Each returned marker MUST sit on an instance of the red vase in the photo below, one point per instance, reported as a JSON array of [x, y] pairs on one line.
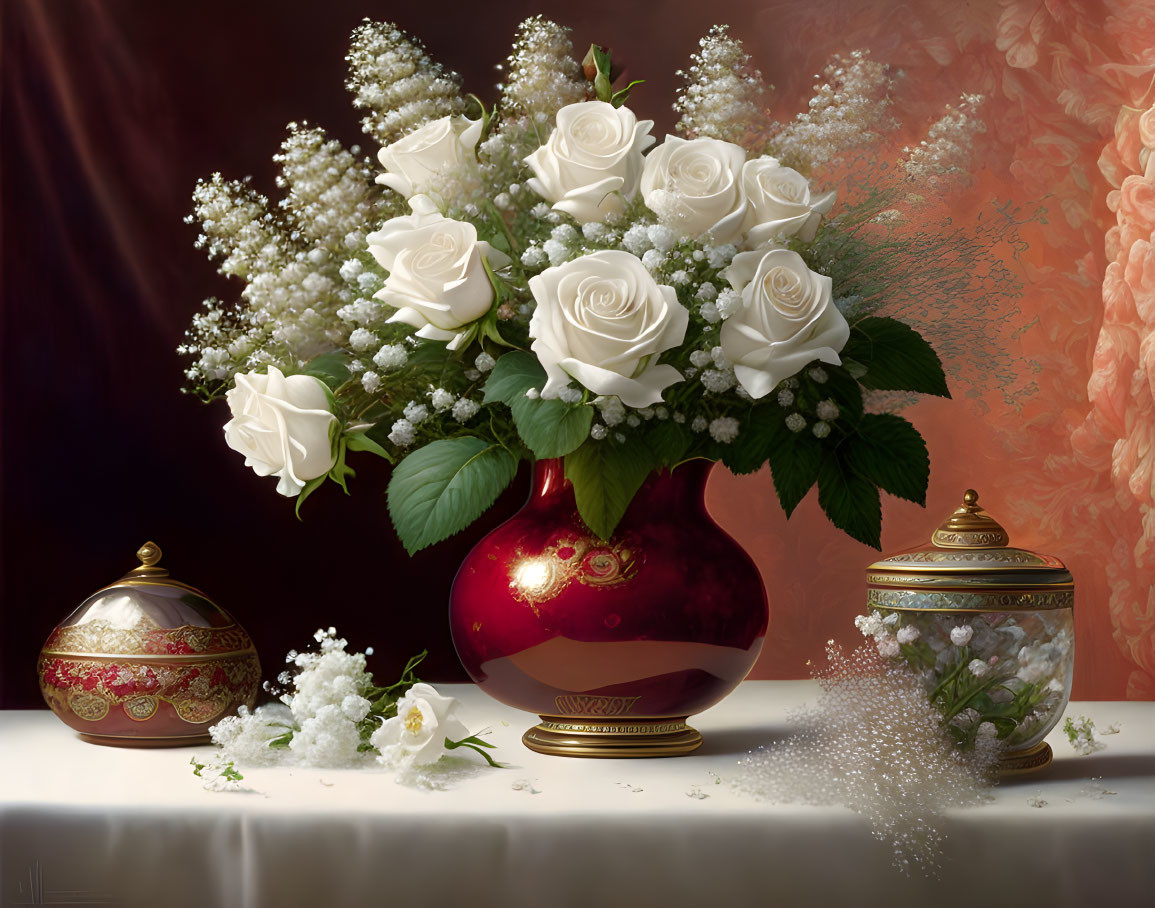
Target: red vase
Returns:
[[614, 644]]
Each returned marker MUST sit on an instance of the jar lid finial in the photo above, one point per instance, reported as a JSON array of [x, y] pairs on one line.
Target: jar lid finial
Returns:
[[970, 527]]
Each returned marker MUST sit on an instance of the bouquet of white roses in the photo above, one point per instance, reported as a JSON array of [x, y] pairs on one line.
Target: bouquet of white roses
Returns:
[[544, 279]]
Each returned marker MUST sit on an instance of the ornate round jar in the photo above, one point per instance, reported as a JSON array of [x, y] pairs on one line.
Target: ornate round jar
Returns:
[[147, 661], [990, 627], [614, 643]]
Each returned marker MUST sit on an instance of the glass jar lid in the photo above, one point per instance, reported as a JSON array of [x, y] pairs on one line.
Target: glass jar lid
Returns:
[[970, 549]]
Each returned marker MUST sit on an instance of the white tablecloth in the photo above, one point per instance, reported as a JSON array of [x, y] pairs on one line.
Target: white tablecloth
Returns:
[[86, 824]]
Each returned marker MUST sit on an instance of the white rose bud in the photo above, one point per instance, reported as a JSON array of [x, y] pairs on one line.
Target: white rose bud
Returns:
[[414, 162], [695, 186], [591, 165], [283, 426], [780, 203], [437, 282], [602, 319], [787, 319]]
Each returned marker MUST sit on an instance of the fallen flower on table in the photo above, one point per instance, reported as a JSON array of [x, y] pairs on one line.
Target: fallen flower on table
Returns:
[[1083, 737], [332, 714], [218, 774]]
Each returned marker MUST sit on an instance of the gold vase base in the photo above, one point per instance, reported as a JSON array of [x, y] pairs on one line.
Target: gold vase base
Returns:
[[576, 737], [1017, 763], [133, 741]]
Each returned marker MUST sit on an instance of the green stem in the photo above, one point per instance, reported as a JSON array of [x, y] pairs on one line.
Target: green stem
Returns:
[[963, 653]]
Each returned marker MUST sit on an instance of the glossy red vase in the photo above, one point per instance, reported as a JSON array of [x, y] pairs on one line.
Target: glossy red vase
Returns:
[[614, 644]]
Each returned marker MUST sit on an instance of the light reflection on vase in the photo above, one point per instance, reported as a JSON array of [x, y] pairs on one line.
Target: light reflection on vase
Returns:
[[662, 621]]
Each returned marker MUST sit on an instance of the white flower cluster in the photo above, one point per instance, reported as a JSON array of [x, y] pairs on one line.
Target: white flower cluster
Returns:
[[320, 722], [1023, 657], [542, 75], [947, 148], [299, 285], [396, 83], [723, 96], [849, 108]]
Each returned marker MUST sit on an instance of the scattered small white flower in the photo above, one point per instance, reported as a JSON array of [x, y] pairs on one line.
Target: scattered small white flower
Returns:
[[978, 668], [362, 339], [598, 432], [218, 774], [402, 433], [795, 422], [653, 260], [724, 429], [350, 269], [888, 647], [785, 397], [484, 363], [821, 429], [441, 399], [870, 625], [391, 356], [416, 413], [908, 633], [827, 410], [699, 424], [961, 635], [465, 409]]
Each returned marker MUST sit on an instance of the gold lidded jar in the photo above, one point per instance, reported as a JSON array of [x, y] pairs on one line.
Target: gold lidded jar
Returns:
[[148, 661], [989, 627]]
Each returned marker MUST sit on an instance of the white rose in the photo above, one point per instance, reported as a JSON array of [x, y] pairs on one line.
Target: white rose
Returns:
[[603, 320], [283, 426], [416, 735], [437, 282], [413, 163], [696, 186], [786, 320], [592, 162], [780, 203]]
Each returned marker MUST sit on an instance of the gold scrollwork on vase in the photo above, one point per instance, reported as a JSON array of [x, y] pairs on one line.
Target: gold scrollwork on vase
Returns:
[[199, 692], [660, 727], [145, 638], [975, 601], [583, 705], [539, 578]]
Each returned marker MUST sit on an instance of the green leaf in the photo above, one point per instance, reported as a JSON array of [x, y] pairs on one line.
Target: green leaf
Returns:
[[895, 357], [668, 442], [794, 461], [475, 744], [889, 452], [749, 450], [441, 488], [514, 374], [844, 390], [622, 95], [331, 368], [551, 428], [309, 488], [605, 477], [281, 742], [359, 441], [849, 500], [340, 471]]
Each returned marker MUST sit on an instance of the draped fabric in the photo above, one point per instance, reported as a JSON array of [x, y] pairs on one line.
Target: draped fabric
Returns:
[[110, 111]]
